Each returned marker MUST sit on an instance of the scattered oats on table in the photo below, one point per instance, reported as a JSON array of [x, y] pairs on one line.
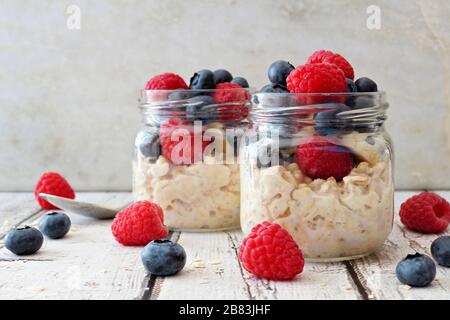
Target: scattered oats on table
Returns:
[[214, 261]]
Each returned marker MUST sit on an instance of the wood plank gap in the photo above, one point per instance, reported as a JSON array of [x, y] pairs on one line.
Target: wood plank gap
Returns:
[[362, 289], [235, 247], [154, 283], [25, 219]]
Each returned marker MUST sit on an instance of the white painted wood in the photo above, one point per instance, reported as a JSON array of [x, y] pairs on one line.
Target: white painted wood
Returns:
[[14, 208], [377, 272], [201, 280], [86, 264]]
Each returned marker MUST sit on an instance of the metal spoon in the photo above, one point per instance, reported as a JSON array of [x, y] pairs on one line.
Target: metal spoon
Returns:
[[82, 208]]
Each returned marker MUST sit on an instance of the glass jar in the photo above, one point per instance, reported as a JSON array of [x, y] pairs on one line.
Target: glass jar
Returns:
[[186, 156], [320, 165]]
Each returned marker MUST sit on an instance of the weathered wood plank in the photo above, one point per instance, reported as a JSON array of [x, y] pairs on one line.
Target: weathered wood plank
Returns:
[[86, 264], [203, 279], [14, 208], [377, 272]]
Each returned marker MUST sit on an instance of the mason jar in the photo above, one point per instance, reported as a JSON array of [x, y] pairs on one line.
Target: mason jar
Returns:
[[320, 165], [186, 156]]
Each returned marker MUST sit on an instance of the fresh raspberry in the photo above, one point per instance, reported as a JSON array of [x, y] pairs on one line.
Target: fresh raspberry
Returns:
[[139, 223], [53, 183], [270, 252], [317, 78], [181, 136], [166, 81], [323, 56], [426, 212], [319, 158], [234, 98]]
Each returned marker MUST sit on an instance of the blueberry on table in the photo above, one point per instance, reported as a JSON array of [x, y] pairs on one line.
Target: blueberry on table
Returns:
[[24, 241], [149, 144], [365, 84], [416, 270], [55, 225], [163, 257], [440, 250], [222, 75], [278, 72], [200, 108], [351, 86], [203, 79], [240, 81]]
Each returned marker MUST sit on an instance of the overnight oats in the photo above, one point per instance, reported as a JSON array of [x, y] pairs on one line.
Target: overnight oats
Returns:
[[319, 165], [186, 155]]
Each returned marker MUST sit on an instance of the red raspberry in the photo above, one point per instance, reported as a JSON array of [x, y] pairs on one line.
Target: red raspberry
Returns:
[[166, 81], [182, 142], [138, 224], [317, 78], [322, 159], [270, 252], [53, 183], [234, 98], [426, 212], [323, 56]]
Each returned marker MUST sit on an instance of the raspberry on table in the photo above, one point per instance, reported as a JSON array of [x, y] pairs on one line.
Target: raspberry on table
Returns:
[[166, 81], [52, 183], [234, 100], [317, 78], [324, 56], [426, 212], [139, 223], [185, 133], [270, 252], [321, 159]]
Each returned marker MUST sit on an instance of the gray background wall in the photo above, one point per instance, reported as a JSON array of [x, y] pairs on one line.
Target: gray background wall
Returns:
[[68, 97]]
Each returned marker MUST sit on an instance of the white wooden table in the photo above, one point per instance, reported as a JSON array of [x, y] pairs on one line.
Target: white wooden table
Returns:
[[89, 264]]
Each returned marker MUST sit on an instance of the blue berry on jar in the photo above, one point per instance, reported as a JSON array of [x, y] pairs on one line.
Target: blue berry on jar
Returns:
[[222, 75], [274, 88], [200, 108], [331, 122], [440, 250], [365, 84], [240, 81], [416, 270], [278, 72], [55, 225], [180, 95], [361, 102], [163, 257], [24, 241], [149, 144], [351, 86], [202, 80]]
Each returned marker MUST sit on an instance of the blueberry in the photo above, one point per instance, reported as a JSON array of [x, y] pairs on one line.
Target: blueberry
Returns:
[[149, 144], [200, 108], [440, 250], [366, 85], [203, 79], [351, 86], [23, 241], [278, 72], [416, 270], [361, 102], [163, 257], [55, 225], [274, 88], [180, 95], [222, 75], [240, 81], [331, 122]]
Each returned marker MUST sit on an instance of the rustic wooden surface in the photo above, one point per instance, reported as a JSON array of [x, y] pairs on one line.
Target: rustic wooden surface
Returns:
[[89, 264]]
